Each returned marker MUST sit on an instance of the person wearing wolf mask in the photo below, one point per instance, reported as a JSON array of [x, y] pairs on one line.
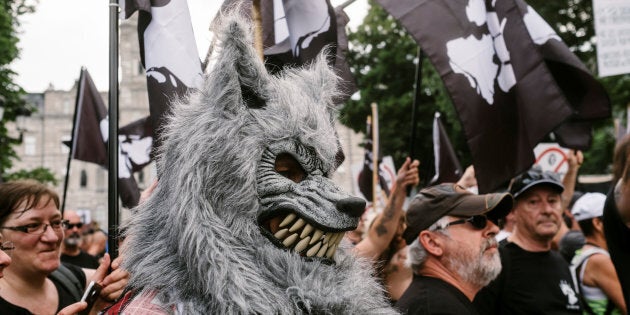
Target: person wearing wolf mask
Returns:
[[245, 218]]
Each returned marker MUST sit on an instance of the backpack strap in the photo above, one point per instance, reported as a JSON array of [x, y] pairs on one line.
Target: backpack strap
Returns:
[[69, 281]]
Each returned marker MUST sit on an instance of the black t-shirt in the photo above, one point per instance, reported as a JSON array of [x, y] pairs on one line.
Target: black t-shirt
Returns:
[[427, 295], [529, 283], [65, 297], [83, 260], [618, 241]]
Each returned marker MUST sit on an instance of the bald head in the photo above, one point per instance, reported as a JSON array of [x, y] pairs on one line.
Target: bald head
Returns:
[[71, 216]]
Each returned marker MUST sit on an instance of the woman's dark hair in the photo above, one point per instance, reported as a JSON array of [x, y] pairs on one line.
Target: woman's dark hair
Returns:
[[13, 193], [587, 226]]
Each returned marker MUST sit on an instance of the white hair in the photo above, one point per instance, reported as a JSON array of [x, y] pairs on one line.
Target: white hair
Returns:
[[417, 254]]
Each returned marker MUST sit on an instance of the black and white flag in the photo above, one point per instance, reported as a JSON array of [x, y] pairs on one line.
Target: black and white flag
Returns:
[[90, 138], [168, 51], [295, 32], [510, 77]]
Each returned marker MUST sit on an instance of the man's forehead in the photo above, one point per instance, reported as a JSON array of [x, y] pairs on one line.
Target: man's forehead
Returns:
[[71, 215]]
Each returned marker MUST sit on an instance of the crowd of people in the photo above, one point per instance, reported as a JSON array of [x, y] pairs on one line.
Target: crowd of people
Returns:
[[452, 261]]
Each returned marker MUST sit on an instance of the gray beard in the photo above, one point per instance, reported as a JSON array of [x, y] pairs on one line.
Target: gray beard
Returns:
[[72, 241], [475, 268]]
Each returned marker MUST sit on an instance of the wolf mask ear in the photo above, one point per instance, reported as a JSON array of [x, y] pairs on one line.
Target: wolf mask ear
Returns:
[[239, 68]]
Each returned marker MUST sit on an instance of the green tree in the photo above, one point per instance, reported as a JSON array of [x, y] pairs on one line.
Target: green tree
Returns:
[[11, 93], [40, 174]]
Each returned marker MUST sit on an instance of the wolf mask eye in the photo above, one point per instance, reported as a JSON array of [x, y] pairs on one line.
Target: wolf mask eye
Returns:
[[290, 168]]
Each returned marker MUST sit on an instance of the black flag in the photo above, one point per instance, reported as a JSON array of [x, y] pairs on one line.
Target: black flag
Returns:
[[447, 166], [168, 52], [90, 123], [511, 79]]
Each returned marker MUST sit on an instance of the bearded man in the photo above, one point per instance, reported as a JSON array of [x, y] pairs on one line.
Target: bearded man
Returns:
[[452, 248], [71, 249]]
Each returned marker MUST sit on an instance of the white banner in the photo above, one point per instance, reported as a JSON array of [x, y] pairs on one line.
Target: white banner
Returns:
[[612, 28]]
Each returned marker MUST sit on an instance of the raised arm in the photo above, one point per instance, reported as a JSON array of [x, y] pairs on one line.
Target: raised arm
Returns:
[[383, 230], [575, 160]]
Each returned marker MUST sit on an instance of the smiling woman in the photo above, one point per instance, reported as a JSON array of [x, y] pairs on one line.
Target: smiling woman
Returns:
[[32, 231]]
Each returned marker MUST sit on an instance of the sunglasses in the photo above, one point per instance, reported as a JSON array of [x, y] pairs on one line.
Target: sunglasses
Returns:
[[70, 226], [478, 222]]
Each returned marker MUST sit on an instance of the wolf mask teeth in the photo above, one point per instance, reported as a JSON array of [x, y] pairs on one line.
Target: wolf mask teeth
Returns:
[[303, 238], [301, 209]]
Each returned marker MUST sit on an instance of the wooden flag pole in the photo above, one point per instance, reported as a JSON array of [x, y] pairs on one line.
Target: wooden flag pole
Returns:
[[375, 155], [257, 20], [112, 200], [414, 111]]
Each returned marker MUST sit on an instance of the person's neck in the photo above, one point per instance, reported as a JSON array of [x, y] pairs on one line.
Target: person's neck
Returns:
[[70, 250], [23, 284], [529, 244], [596, 240], [433, 268]]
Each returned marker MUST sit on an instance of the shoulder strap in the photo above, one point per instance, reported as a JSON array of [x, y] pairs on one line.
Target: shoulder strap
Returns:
[[576, 266], [69, 281]]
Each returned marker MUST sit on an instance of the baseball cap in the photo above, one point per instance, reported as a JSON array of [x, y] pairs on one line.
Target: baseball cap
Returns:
[[590, 205], [535, 176], [435, 202]]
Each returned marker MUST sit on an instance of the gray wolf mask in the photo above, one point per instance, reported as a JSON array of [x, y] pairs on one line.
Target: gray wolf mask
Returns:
[[245, 218]]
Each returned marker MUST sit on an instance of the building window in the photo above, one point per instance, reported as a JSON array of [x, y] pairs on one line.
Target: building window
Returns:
[[29, 145], [83, 182]]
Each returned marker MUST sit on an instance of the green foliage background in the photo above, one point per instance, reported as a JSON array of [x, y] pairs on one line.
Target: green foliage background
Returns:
[[13, 94], [383, 58]]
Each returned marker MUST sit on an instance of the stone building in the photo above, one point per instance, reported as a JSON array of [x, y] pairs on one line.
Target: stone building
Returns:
[[87, 186]]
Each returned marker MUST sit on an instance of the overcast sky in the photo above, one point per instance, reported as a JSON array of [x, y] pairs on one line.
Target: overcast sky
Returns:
[[63, 35]]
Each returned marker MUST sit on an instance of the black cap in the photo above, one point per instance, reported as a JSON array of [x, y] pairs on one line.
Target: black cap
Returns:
[[435, 202], [535, 177]]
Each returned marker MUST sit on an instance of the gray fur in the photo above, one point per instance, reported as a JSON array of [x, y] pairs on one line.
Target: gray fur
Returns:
[[196, 240]]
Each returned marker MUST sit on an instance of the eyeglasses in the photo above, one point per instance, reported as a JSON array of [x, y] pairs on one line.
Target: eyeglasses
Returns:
[[7, 247], [71, 226], [478, 222], [38, 228]]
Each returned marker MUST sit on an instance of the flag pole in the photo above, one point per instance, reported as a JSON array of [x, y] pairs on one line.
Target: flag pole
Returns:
[[72, 139], [414, 111], [416, 103], [345, 4], [112, 200], [257, 21], [375, 155]]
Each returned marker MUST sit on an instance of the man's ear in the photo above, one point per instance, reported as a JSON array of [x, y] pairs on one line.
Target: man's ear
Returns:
[[431, 243]]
